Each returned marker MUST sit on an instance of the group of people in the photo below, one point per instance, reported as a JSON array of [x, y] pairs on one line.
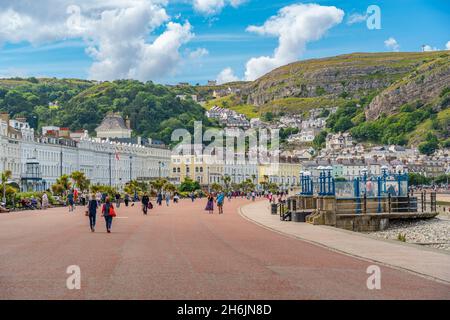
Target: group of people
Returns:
[[217, 198], [167, 196], [108, 212], [108, 208]]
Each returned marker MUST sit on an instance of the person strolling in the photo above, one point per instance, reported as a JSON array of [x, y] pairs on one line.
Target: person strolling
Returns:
[[167, 198], [220, 201], [159, 199], [210, 204], [117, 196], [145, 201], [92, 212], [44, 201], [108, 213], [71, 201]]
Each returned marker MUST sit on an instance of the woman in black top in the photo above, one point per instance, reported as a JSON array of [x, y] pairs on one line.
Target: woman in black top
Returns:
[[92, 211], [145, 202]]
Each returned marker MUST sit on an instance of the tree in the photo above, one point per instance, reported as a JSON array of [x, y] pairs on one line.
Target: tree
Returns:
[[430, 145], [442, 179], [6, 175], [80, 180], [57, 189], [416, 179], [62, 185], [247, 186], [227, 181], [189, 185], [170, 187], [320, 140], [215, 187], [158, 184]]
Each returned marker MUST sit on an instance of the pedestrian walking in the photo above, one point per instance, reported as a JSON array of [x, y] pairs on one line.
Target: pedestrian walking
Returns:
[[167, 198], [117, 200], [159, 199], [108, 213], [126, 200], [145, 203], [192, 196], [70, 200], [210, 204], [92, 211], [220, 201], [44, 201], [98, 197]]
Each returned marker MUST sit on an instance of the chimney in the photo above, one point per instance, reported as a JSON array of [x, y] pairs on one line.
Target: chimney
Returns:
[[4, 116]]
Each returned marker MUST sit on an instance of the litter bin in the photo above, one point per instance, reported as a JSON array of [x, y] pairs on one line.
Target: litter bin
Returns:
[[274, 208]]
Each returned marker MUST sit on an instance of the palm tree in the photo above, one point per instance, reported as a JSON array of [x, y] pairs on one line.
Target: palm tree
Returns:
[[6, 175], [158, 184], [226, 180], [80, 180]]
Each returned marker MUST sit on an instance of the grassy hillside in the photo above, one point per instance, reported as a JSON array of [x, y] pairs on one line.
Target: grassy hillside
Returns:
[[154, 110], [233, 103]]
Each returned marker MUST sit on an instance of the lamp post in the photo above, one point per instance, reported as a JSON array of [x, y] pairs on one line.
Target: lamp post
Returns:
[[131, 168], [4, 186], [159, 169], [364, 176], [110, 169]]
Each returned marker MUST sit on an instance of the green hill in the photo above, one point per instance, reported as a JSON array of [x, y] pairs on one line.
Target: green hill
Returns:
[[154, 110]]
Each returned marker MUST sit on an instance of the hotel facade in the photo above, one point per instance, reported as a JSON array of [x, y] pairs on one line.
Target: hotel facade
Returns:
[[36, 162]]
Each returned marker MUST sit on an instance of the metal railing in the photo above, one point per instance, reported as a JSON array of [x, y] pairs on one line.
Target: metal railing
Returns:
[[419, 203]]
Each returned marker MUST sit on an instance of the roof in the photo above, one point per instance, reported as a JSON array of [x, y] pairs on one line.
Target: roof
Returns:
[[112, 121]]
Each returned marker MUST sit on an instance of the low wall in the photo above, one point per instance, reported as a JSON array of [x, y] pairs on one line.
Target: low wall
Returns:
[[361, 215]]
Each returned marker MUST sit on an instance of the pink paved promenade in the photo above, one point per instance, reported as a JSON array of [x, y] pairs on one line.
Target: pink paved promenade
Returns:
[[180, 252]]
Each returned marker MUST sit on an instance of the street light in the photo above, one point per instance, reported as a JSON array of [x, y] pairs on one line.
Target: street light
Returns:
[[131, 168]]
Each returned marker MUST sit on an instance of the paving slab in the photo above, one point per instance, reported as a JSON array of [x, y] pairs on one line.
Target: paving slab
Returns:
[[427, 262]]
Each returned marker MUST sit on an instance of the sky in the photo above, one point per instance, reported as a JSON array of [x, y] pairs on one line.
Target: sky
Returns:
[[195, 41]]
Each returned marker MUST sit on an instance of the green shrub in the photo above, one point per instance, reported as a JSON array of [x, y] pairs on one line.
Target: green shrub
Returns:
[[401, 237]]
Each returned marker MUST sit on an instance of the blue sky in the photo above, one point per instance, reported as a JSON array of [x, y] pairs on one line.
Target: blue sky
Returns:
[[412, 23]]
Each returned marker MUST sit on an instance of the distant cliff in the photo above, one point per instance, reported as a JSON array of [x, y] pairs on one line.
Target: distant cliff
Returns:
[[397, 78]]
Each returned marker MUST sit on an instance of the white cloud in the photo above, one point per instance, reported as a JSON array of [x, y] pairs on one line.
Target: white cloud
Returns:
[[295, 26], [428, 48], [356, 18], [198, 53], [115, 33], [392, 44], [227, 75], [447, 46], [212, 7]]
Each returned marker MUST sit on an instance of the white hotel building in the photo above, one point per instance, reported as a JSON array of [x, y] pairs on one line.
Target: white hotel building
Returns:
[[36, 163]]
